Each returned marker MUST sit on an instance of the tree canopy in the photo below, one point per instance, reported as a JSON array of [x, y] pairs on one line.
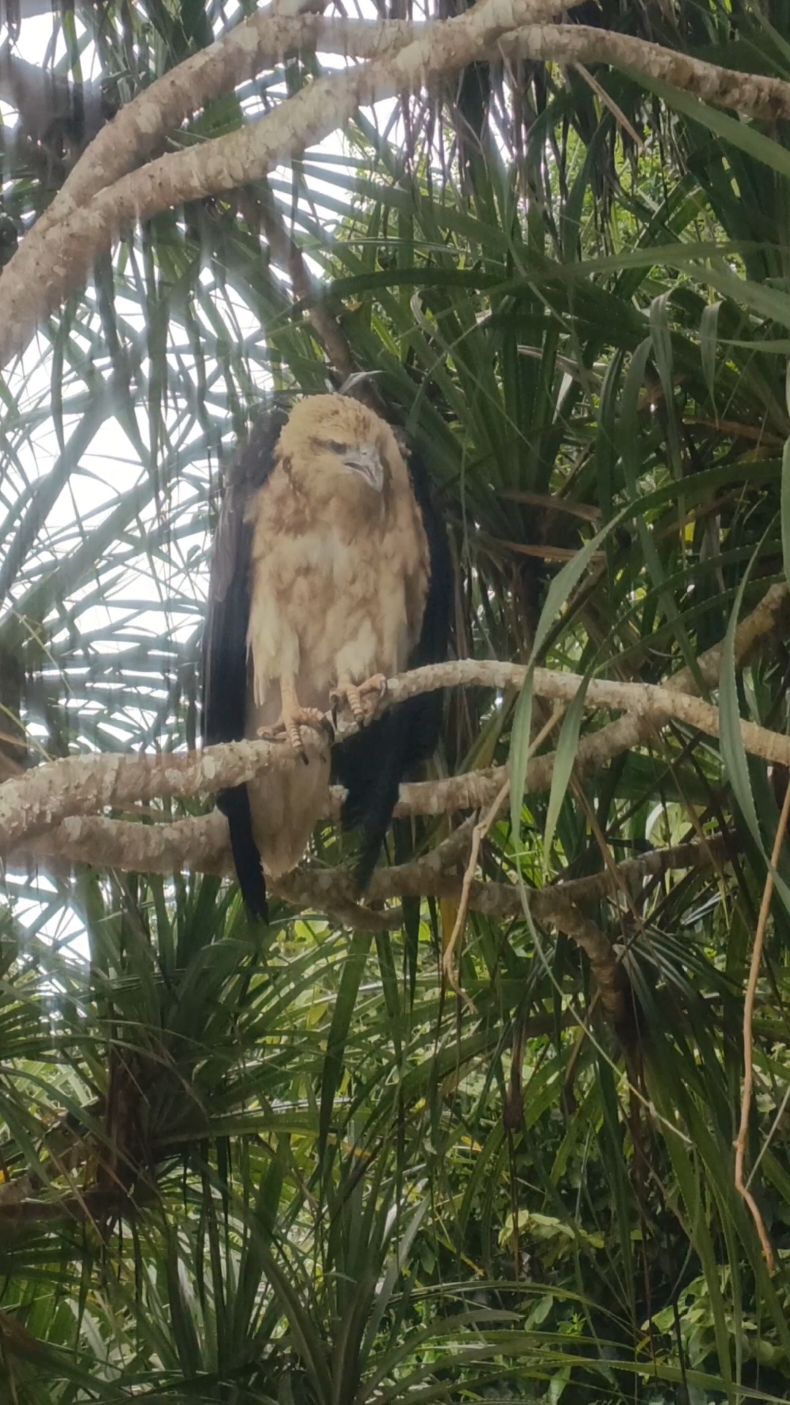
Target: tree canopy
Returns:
[[514, 1125]]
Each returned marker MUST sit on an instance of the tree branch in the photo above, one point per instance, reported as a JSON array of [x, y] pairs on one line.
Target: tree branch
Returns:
[[610, 977], [286, 252], [257, 43], [647, 700], [202, 845], [58, 254], [479, 788], [104, 192], [82, 785], [751, 94]]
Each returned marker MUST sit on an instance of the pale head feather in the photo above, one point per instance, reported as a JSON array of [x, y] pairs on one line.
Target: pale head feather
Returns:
[[318, 423]]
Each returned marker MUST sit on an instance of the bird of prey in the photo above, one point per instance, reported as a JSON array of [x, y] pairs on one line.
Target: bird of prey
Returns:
[[330, 571]]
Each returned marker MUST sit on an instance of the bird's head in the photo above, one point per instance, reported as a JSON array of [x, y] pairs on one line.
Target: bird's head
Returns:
[[335, 445]]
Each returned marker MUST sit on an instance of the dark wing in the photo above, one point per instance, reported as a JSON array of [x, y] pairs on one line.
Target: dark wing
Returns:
[[372, 763], [225, 642]]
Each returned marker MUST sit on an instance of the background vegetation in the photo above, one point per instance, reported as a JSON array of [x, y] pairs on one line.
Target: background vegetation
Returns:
[[255, 1165]]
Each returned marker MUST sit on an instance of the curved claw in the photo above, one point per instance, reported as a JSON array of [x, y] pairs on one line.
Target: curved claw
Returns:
[[289, 723], [351, 694]]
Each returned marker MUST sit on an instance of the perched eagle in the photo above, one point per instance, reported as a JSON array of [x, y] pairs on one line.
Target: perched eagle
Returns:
[[330, 570]]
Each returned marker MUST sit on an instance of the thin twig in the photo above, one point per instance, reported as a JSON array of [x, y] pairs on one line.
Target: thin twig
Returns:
[[478, 835], [608, 101], [748, 1036], [286, 252]]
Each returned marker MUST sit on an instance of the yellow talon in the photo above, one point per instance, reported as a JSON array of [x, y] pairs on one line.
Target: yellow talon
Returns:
[[352, 694], [292, 718]]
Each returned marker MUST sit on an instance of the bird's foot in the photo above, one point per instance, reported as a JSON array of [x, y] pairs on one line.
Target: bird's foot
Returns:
[[351, 694], [290, 722]]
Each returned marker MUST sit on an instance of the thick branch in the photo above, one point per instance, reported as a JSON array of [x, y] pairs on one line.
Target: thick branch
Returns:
[[100, 199], [503, 900], [202, 845], [751, 94], [478, 789], [265, 39], [258, 42], [634, 729], [82, 785], [60, 253], [646, 700]]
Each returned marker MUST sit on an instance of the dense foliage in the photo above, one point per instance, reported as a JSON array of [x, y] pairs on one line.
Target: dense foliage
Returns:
[[243, 1164]]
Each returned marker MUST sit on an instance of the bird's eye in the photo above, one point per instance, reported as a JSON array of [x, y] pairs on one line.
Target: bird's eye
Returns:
[[336, 447]]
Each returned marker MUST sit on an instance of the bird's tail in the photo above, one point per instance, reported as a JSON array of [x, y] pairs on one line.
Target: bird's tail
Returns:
[[371, 765], [235, 805]]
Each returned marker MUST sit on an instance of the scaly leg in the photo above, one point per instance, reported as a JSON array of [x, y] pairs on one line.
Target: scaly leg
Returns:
[[352, 694], [293, 716]]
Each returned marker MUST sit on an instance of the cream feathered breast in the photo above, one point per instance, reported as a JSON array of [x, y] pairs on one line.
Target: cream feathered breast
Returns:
[[339, 574]]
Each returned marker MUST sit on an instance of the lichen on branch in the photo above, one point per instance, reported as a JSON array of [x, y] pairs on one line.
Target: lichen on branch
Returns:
[[115, 184], [58, 809]]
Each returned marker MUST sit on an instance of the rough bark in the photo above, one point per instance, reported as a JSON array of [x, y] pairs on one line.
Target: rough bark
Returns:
[[105, 193], [41, 799]]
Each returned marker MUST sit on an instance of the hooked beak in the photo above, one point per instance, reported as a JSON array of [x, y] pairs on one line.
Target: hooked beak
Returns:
[[367, 463]]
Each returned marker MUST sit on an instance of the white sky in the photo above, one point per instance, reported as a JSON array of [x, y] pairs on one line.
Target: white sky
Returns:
[[110, 459]]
